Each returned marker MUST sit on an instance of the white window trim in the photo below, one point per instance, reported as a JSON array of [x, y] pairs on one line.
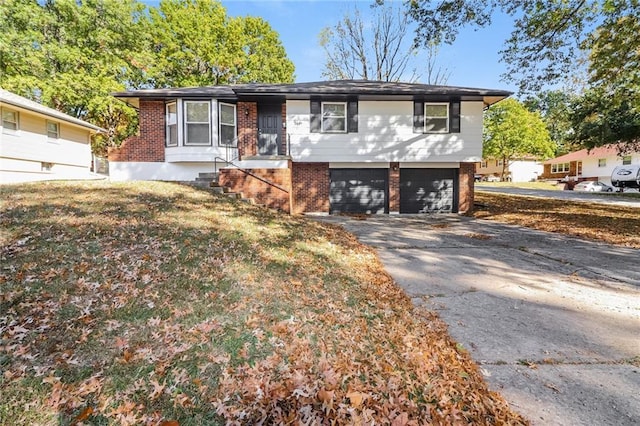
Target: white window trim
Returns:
[[627, 157], [167, 124], [186, 123], [566, 167], [427, 117], [17, 122], [345, 117], [235, 124], [57, 136]]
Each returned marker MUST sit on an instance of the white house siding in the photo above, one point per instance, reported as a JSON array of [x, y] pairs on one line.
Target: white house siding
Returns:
[[22, 152], [590, 167], [385, 133], [130, 170], [195, 154], [525, 171]]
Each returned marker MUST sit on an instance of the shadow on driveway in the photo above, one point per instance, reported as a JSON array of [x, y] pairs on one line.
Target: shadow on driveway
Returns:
[[553, 321]]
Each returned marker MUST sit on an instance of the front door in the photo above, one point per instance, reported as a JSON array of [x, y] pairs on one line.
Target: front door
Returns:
[[269, 127]]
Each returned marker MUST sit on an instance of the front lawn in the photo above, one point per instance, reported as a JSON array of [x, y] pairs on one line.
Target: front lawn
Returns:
[[156, 303], [600, 222]]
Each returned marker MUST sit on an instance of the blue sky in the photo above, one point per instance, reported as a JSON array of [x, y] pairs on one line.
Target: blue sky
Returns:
[[473, 60]]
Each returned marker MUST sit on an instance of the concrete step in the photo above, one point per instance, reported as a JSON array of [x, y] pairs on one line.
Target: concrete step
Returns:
[[208, 175]]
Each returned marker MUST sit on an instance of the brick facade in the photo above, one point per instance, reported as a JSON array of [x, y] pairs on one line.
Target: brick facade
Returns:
[[394, 187], [310, 187], [148, 144], [247, 128], [466, 191], [260, 191]]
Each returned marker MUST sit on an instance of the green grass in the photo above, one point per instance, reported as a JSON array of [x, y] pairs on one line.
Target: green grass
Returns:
[[147, 302]]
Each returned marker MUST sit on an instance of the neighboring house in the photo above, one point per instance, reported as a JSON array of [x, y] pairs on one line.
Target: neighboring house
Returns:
[[519, 170], [40, 143], [596, 164], [337, 146]]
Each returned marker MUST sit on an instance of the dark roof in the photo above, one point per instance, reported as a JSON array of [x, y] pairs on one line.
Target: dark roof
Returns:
[[362, 88]]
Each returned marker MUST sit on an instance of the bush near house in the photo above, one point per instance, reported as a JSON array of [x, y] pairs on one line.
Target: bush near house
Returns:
[[155, 303]]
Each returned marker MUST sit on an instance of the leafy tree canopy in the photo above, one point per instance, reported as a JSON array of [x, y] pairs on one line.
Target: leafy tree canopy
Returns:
[[71, 55], [511, 131], [547, 44]]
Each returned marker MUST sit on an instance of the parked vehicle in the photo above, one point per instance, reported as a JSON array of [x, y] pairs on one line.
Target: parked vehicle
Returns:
[[626, 176], [492, 178], [592, 186]]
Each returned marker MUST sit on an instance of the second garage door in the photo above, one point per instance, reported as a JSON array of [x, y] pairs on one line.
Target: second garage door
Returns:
[[359, 191], [428, 190]]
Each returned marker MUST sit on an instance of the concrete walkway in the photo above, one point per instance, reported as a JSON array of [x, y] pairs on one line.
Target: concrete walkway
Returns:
[[552, 321]]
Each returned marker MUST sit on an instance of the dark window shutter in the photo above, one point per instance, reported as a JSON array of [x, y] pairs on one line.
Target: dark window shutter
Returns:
[[454, 117], [418, 117], [352, 117], [316, 116]]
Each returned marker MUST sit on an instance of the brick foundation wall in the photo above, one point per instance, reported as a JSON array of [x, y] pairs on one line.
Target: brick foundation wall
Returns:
[[394, 187], [465, 182], [260, 191], [247, 128], [148, 144], [310, 188]]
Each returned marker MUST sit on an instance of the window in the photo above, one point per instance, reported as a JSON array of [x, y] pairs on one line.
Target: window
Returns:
[[227, 114], [436, 118], [602, 162], [499, 163], [560, 168], [172, 124], [197, 123], [483, 164], [53, 131], [10, 119], [334, 117], [626, 160], [46, 167]]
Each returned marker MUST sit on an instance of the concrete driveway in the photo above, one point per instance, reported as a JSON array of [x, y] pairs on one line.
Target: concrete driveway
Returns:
[[553, 321], [590, 197]]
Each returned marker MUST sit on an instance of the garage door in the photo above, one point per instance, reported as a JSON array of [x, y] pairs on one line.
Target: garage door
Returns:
[[359, 191], [428, 190]]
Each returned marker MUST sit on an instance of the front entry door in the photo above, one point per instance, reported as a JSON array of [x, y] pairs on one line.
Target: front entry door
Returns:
[[269, 127]]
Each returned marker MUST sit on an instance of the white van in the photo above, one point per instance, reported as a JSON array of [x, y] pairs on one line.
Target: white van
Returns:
[[626, 176]]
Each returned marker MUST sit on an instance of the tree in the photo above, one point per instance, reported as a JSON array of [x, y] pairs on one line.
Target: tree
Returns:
[[554, 107], [72, 55], [195, 43], [379, 48], [511, 131], [548, 40]]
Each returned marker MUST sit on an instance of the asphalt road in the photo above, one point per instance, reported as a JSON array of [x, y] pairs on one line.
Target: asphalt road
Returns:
[[592, 197], [552, 321]]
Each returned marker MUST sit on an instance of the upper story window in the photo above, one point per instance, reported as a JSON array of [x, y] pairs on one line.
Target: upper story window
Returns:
[[172, 124], [602, 162], [499, 163], [197, 123], [436, 117], [228, 126], [10, 119], [334, 117], [626, 160], [53, 130], [483, 164]]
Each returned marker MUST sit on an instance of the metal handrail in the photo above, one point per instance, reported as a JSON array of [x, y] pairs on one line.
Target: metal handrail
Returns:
[[215, 165]]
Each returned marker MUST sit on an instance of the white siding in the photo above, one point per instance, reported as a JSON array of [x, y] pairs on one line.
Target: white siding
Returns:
[[525, 171], [198, 153], [385, 133], [590, 167], [124, 171], [22, 152]]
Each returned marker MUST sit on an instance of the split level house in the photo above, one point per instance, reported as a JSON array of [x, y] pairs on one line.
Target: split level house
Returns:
[[595, 164], [40, 143], [340, 146]]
